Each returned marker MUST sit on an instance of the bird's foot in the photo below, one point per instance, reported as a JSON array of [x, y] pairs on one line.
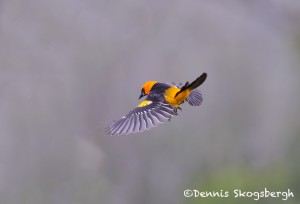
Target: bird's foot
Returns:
[[175, 110]]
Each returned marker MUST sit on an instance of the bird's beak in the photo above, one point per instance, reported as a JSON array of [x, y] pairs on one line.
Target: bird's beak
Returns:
[[142, 95]]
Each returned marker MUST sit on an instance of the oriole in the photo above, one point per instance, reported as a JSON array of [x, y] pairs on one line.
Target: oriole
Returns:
[[160, 105]]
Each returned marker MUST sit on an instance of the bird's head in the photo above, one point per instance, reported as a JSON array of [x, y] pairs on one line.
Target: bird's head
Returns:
[[146, 88]]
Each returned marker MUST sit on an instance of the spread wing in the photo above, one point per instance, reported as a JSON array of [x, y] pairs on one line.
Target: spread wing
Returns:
[[195, 98], [146, 115]]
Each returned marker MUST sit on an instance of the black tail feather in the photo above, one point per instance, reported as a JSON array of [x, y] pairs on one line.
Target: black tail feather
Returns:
[[194, 84]]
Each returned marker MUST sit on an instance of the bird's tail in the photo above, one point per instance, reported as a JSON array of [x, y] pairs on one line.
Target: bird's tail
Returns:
[[193, 85]]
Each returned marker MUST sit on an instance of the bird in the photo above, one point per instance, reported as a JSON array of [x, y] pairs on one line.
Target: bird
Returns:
[[160, 105]]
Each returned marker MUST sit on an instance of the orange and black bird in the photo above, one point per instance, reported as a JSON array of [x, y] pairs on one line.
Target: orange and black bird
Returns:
[[160, 105]]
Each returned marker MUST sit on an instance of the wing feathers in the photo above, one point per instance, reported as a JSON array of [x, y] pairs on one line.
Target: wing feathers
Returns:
[[146, 120], [130, 127], [142, 118], [159, 118], [195, 98], [125, 126]]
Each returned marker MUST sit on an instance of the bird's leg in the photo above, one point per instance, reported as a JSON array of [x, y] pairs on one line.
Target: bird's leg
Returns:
[[175, 110]]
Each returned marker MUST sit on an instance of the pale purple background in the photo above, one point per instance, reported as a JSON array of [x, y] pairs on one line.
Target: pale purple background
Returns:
[[68, 68]]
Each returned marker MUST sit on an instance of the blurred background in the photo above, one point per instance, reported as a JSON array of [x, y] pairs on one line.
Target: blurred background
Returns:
[[68, 68]]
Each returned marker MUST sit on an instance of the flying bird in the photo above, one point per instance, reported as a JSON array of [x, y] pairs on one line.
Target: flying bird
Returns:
[[160, 105]]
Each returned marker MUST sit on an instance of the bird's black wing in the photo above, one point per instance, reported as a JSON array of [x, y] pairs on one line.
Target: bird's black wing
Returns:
[[146, 115]]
